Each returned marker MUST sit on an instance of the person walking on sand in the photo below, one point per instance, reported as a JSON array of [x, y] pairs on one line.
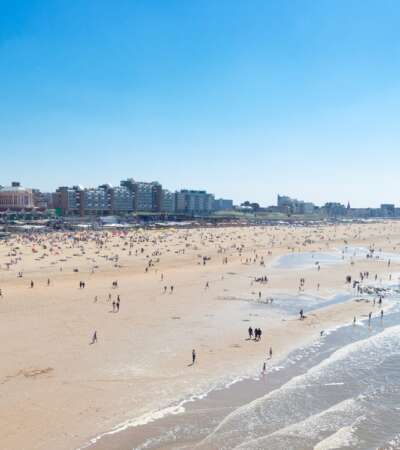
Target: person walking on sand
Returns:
[[193, 356], [250, 330], [270, 352], [94, 338]]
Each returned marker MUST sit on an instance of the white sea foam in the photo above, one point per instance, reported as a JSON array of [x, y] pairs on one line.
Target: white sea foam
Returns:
[[344, 437], [393, 444], [158, 414], [310, 427], [141, 420], [254, 415]]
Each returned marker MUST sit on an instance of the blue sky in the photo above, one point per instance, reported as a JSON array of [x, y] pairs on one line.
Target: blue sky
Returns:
[[245, 98]]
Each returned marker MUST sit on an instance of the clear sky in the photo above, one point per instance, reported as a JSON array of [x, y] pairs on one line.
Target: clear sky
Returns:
[[245, 98]]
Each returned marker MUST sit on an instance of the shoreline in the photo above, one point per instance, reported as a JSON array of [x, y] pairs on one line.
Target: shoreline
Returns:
[[112, 439], [137, 431]]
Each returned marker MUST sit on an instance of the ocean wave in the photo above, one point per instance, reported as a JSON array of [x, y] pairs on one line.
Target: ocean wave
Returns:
[[157, 414], [290, 403], [344, 437], [301, 434]]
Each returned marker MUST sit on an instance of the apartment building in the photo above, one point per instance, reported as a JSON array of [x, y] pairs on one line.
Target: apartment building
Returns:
[[194, 202], [147, 196]]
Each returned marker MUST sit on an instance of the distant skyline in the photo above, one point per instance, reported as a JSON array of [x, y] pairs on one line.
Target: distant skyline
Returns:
[[245, 99]]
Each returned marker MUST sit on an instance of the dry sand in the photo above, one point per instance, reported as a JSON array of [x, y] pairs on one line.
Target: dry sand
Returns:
[[57, 391]]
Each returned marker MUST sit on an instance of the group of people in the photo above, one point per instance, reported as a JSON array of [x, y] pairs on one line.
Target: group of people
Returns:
[[263, 279], [256, 333]]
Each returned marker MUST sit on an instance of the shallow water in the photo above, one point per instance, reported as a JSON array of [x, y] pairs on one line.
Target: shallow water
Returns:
[[307, 260], [291, 304]]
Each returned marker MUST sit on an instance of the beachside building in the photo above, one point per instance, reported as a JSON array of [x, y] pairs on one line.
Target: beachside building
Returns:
[[16, 197], [222, 204], [307, 208], [68, 200], [194, 202], [168, 203], [180, 202], [283, 201], [42, 200], [288, 205], [121, 200], [387, 210], [102, 200], [334, 209], [96, 201], [147, 196]]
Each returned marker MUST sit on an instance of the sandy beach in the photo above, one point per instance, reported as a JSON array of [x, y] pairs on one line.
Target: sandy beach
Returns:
[[59, 391]]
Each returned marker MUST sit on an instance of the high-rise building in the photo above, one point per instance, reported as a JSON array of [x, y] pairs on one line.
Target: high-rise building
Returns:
[[194, 202], [147, 196], [121, 200], [102, 200], [68, 200], [96, 201], [168, 203], [180, 202]]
